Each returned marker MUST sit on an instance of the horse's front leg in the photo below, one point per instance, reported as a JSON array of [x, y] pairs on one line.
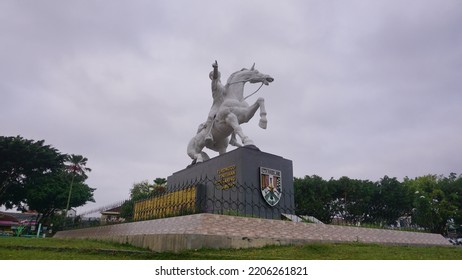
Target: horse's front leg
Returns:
[[263, 121], [232, 121], [251, 110]]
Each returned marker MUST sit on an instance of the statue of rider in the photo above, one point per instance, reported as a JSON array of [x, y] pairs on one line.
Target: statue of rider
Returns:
[[218, 91]]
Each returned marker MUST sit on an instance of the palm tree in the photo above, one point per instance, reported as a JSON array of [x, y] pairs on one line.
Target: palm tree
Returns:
[[160, 182], [77, 166]]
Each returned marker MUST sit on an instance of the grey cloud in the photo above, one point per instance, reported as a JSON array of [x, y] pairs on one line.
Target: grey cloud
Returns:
[[361, 89]]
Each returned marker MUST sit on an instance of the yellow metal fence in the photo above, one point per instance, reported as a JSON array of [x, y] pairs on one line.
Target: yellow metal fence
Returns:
[[181, 202]]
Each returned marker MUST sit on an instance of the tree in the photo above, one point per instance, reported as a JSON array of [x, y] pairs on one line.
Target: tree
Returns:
[[77, 167], [313, 197], [391, 200], [139, 191], [436, 201], [452, 188], [33, 176], [49, 193], [433, 202], [22, 161], [127, 209], [160, 182], [352, 198]]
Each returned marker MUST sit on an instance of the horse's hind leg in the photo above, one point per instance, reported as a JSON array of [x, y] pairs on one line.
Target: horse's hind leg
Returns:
[[233, 141], [191, 151], [232, 120], [195, 152], [221, 145]]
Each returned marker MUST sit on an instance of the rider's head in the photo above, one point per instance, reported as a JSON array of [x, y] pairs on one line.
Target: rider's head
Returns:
[[211, 75]]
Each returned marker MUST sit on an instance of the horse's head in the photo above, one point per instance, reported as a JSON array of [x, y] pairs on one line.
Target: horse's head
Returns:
[[251, 75]]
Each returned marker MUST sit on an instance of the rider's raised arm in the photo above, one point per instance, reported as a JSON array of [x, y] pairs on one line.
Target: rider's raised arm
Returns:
[[217, 86], [215, 76], [215, 70]]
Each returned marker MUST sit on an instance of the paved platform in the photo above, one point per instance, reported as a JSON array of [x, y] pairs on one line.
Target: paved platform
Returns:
[[221, 231]]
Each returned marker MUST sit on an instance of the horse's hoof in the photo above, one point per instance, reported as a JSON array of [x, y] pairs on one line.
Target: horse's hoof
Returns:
[[263, 123], [247, 142], [235, 144], [192, 163]]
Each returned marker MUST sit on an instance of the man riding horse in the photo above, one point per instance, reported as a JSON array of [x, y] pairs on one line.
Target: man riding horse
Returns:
[[228, 111]]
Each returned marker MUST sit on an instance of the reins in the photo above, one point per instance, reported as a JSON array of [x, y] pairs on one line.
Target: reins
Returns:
[[253, 92], [243, 81]]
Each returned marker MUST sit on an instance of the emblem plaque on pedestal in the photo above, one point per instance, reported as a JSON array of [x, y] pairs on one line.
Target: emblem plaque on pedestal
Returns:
[[271, 185]]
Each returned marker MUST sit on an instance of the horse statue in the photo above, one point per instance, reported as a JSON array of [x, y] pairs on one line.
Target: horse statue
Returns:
[[231, 112]]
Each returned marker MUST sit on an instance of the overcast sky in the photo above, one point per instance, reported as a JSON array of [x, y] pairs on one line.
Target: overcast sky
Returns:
[[362, 88]]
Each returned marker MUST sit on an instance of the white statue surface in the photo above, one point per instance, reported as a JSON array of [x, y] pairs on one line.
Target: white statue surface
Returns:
[[229, 110]]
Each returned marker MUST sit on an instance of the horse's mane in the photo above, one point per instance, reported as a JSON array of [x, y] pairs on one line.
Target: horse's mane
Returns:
[[233, 74]]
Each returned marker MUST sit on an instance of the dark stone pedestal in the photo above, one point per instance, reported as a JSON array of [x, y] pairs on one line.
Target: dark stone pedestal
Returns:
[[232, 184]]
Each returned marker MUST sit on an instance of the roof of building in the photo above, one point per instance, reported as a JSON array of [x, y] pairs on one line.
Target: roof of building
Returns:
[[18, 216], [112, 211]]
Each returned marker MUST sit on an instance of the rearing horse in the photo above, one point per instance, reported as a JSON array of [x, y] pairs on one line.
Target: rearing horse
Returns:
[[233, 111]]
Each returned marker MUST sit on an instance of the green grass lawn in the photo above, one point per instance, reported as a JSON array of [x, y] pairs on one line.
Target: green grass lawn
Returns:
[[14, 248]]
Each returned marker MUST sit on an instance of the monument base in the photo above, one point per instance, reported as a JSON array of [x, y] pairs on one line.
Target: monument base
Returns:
[[221, 231], [242, 182]]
